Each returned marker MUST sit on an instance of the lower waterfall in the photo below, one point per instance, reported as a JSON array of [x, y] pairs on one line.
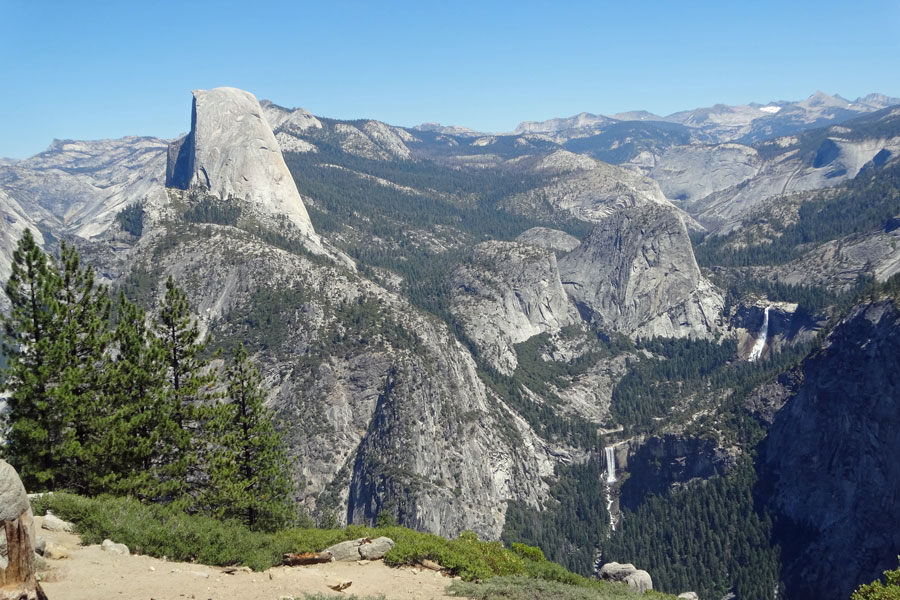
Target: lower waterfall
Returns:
[[760, 344], [610, 465]]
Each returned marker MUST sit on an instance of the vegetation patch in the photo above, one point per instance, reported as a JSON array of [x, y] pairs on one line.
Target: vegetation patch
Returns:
[[164, 530]]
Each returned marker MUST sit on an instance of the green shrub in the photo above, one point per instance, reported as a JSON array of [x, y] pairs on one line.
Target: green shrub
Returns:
[[528, 552], [525, 588], [879, 591]]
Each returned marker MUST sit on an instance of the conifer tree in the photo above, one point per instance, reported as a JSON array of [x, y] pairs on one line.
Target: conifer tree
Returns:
[[189, 383], [248, 468], [140, 423], [79, 356], [33, 424]]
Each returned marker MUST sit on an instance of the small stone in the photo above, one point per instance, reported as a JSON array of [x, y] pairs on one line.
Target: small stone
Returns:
[[111, 546], [55, 552], [40, 542], [53, 523], [430, 564]]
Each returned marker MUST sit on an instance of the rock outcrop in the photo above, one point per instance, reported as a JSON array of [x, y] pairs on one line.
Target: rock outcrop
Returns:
[[553, 239], [636, 274], [231, 153], [505, 294], [638, 580], [361, 549], [830, 470], [689, 173]]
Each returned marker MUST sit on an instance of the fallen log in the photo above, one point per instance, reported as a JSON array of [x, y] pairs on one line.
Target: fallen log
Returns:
[[306, 558]]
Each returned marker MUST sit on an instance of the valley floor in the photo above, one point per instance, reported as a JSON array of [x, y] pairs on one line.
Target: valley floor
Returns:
[[89, 573]]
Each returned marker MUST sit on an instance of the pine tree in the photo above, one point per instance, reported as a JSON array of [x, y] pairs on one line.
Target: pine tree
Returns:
[[140, 423], [248, 468], [189, 382], [79, 356], [33, 423]]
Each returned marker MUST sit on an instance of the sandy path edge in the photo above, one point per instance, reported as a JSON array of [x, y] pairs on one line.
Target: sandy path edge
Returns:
[[90, 573]]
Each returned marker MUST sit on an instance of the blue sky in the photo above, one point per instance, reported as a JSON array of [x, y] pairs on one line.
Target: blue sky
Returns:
[[87, 70]]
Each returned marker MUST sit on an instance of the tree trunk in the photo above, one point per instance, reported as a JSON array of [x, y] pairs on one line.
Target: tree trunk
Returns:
[[17, 581]]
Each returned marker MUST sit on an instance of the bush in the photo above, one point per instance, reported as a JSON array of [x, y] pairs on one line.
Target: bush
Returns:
[[878, 591], [525, 588]]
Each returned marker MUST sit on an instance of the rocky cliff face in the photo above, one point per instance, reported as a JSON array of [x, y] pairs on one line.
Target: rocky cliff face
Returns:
[[656, 464], [830, 472], [231, 153], [636, 274], [507, 293], [385, 409]]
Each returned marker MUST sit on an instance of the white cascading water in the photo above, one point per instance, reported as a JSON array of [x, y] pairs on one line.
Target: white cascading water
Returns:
[[610, 479], [757, 349], [610, 465]]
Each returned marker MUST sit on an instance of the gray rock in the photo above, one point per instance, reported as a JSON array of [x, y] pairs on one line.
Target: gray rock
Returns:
[[613, 571], [55, 551], [346, 551], [636, 274], [375, 549], [505, 294], [13, 499], [232, 153], [689, 596], [114, 548], [553, 239], [40, 543], [831, 458], [640, 581], [53, 523]]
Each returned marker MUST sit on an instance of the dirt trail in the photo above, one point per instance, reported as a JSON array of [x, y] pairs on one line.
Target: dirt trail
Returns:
[[90, 573]]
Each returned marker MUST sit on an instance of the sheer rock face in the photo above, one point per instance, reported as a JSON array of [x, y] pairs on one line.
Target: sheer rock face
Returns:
[[507, 293], [830, 470], [636, 274], [232, 153], [384, 410]]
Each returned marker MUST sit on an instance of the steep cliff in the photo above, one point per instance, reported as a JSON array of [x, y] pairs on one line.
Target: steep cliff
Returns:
[[830, 471], [636, 274], [384, 409], [231, 152], [506, 293]]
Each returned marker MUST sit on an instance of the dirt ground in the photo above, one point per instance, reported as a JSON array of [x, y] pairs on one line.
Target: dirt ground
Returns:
[[89, 573]]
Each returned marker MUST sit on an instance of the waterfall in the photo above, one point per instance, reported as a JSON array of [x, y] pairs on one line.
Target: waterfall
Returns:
[[610, 465], [757, 349], [610, 479]]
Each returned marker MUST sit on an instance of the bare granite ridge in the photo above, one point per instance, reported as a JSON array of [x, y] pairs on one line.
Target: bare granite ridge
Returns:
[[636, 274]]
